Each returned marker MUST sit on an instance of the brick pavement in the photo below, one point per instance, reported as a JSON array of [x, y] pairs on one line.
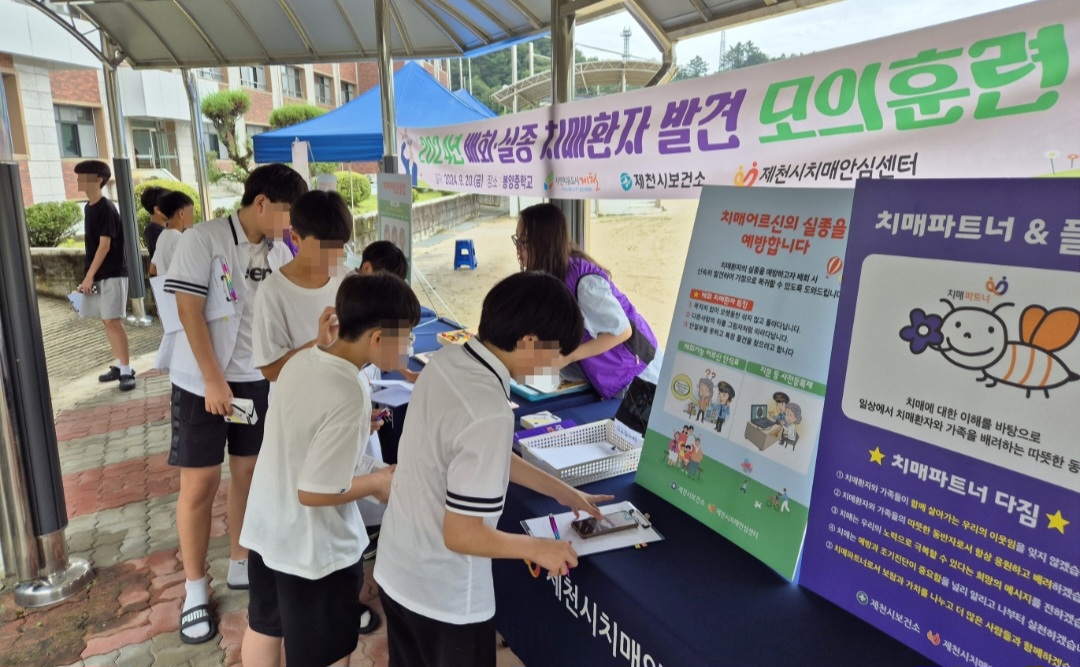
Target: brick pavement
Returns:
[[121, 498]]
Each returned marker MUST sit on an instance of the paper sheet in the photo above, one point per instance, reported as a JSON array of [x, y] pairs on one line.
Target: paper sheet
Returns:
[[387, 384], [76, 299], [541, 527], [166, 305], [392, 396], [572, 455]]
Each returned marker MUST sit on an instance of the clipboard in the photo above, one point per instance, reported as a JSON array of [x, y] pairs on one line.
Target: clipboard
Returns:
[[166, 305], [645, 532], [221, 293]]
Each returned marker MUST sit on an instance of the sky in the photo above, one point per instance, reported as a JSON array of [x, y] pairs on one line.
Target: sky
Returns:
[[816, 29]]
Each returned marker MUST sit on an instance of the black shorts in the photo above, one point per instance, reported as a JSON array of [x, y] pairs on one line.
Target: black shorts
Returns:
[[414, 639], [318, 619], [199, 438]]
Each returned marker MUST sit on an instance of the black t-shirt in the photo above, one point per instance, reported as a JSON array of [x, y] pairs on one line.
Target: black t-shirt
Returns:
[[102, 219], [153, 231]]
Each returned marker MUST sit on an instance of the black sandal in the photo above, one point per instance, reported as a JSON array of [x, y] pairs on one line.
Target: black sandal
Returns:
[[194, 616], [373, 622]]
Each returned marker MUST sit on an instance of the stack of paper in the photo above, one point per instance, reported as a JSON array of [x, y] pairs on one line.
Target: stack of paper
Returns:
[[572, 455]]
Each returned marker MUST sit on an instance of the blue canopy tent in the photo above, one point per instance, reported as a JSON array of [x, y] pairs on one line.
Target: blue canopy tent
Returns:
[[468, 98], [353, 133]]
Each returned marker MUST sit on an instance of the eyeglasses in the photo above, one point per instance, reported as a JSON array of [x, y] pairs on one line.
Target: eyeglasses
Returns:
[[518, 242]]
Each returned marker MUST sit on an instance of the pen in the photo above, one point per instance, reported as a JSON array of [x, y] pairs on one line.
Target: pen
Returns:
[[227, 277], [554, 528]]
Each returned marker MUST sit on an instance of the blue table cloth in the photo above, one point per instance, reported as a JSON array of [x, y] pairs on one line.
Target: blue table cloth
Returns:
[[692, 600]]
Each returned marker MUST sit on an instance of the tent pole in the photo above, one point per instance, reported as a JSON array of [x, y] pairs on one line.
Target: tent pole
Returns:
[[562, 91], [198, 140]]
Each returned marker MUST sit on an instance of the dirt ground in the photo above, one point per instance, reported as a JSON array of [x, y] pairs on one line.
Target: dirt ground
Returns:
[[645, 254]]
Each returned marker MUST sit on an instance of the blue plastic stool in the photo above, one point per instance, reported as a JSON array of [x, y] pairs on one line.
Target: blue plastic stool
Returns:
[[464, 254]]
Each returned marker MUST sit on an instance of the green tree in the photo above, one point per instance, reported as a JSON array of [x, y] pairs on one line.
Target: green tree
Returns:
[[693, 69], [224, 109], [743, 54], [294, 114]]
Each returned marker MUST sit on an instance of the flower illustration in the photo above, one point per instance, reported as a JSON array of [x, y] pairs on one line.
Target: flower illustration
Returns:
[[923, 332]]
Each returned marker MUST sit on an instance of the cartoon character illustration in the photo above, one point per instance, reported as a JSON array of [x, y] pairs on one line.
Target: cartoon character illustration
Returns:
[[745, 483], [691, 409], [978, 339], [784, 502], [705, 394], [781, 399], [746, 466], [696, 456], [788, 431], [673, 449], [724, 395]]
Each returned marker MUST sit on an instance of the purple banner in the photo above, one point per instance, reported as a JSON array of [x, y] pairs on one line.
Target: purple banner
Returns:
[[945, 505]]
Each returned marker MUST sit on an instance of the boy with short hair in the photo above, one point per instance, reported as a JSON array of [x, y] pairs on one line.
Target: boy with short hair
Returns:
[[455, 460], [384, 256], [295, 307], [215, 275], [149, 201], [302, 525], [179, 212], [105, 283]]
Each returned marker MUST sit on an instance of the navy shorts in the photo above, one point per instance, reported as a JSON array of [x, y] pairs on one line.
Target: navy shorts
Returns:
[[199, 439], [319, 619]]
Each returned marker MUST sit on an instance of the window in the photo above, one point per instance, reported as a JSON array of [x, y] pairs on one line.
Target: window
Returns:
[[253, 77], [76, 131], [155, 146], [292, 81], [323, 89], [214, 144], [212, 73], [252, 130], [348, 92]]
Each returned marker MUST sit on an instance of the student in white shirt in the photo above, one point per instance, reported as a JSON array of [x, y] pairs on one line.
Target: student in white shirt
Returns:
[[215, 275], [454, 463], [179, 212], [302, 525]]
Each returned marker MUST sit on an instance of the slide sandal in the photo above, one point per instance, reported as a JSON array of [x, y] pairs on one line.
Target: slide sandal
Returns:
[[373, 621], [194, 616]]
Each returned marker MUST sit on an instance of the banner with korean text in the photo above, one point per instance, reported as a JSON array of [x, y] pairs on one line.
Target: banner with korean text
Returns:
[[997, 95], [946, 499], [732, 437]]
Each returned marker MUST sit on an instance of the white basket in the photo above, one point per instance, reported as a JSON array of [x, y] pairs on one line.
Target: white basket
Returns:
[[623, 460]]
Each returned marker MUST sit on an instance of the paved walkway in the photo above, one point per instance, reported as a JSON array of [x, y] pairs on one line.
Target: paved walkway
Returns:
[[121, 500]]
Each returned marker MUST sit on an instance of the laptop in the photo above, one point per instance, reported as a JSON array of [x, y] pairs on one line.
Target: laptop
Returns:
[[759, 416]]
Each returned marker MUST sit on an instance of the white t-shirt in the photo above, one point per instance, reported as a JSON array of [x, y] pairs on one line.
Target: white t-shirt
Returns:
[[312, 444], [454, 455], [166, 247], [603, 313], [287, 316], [241, 367], [197, 268]]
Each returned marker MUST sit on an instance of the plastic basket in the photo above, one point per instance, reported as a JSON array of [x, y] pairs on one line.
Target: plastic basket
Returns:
[[623, 460]]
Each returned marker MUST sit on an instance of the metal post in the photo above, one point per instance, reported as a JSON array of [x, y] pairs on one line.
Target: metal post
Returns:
[[198, 140], [562, 91], [386, 88], [532, 60], [31, 490], [125, 192], [513, 75]]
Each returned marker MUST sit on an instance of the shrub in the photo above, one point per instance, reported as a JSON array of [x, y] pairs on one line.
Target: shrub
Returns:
[[353, 188], [51, 222], [292, 114], [142, 217], [225, 211]]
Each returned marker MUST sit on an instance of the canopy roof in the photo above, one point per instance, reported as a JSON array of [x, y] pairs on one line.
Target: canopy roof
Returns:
[[353, 133], [468, 98], [212, 33]]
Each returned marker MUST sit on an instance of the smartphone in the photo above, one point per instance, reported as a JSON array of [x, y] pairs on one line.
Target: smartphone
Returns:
[[611, 523]]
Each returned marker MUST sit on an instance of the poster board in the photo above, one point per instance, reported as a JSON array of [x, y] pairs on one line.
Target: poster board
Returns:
[[945, 508], [753, 322], [395, 211]]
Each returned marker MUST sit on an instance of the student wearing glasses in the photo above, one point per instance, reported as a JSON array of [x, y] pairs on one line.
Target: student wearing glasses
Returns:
[[618, 345]]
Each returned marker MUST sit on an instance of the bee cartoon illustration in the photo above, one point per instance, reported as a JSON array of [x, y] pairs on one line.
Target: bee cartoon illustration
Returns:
[[978, 339]]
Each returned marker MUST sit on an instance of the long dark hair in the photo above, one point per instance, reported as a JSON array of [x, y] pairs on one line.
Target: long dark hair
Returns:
[[545, 232]]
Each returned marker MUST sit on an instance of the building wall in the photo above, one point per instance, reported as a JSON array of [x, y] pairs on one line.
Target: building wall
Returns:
[[44, 166], [81, 88]]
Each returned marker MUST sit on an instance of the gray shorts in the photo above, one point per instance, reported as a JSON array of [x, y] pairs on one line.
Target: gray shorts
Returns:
[[110, 303]]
